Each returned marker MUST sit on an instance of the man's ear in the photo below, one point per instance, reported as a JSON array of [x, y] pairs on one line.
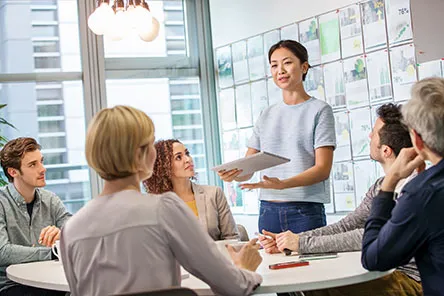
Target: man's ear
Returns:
[[417, 140], [388, 152], [13, 172]]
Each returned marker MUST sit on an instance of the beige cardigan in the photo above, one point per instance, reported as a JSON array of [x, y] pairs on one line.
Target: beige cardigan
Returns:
[[214, 212]]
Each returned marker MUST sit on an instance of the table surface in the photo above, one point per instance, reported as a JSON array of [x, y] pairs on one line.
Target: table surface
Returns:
[[320, 274]]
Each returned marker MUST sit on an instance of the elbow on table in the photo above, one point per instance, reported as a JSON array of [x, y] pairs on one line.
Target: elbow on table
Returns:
[[373, 264]]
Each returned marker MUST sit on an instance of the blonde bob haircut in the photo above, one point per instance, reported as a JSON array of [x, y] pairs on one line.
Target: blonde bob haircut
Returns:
[[113, 138]]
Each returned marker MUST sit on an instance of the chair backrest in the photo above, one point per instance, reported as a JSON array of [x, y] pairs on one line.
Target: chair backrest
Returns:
[[173, 291], [243, 235]]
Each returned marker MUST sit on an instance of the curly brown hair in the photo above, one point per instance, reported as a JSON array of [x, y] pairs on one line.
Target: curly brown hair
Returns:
[[13, 152], [160, 180]]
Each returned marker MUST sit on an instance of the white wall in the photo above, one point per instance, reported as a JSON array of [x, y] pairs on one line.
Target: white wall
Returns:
[[232, 20]]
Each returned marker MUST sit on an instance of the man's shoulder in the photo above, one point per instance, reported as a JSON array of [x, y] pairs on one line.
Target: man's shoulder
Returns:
[[47, 195]]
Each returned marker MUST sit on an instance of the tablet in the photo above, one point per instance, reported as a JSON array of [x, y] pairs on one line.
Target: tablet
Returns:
[[253, 163]]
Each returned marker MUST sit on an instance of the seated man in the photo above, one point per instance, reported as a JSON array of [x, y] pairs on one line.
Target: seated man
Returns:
[[414, 226], [388, 137], [30, 217]]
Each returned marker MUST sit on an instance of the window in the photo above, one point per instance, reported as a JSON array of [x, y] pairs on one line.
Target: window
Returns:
[[52, 109]]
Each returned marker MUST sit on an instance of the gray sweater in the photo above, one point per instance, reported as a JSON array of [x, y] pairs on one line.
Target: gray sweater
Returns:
[[346, 234]]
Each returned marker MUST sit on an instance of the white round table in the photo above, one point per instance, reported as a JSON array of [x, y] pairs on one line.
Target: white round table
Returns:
[[320, 274], [344, 270]]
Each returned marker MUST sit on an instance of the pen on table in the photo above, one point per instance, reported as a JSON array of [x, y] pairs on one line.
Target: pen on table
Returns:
[[286, 251]]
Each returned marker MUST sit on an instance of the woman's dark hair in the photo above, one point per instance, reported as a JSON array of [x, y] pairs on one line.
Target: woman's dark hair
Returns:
[[393, 133], [295, 47]]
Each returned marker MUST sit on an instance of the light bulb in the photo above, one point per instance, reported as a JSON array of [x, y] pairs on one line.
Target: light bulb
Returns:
[[132, 16], [119, 26], [149, 35], [99, 19], [142, 16]]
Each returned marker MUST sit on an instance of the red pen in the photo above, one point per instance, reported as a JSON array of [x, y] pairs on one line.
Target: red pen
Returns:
[[288, 264]]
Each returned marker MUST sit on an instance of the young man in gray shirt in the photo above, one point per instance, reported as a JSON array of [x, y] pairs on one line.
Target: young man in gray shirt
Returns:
[[388, 137], [30, 217]]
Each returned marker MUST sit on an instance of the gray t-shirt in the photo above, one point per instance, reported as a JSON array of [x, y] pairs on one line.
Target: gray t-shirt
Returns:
[[295, 131], [132, 242]]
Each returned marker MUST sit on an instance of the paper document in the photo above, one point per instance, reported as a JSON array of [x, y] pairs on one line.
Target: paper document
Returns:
[[253, 163]]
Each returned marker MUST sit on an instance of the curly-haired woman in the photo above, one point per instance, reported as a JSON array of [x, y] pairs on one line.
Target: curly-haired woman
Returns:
[[173, 171]]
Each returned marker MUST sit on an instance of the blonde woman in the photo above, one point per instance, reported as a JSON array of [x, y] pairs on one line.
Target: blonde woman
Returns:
[[124, 241]]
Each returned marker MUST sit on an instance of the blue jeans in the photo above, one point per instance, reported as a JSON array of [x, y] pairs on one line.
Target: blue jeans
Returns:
[[294, 216]]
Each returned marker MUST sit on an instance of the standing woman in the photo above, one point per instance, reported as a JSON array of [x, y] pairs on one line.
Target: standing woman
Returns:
[[173, 171], [301, 128]]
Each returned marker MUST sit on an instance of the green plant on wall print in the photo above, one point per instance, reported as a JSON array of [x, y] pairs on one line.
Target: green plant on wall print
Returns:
[[3, 140]]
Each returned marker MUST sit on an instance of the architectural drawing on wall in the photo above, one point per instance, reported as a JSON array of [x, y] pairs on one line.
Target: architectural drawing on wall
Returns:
[[270, 39], [343, 145], [334, 84], [351, 31], [355, 73], [227, 107], [290, 32], [274, 92], [360, 127], [259, 98], [403, 65], [256, 61], [329, 37], [398, 21], [373, 113], [243, 106], [240, 63], [378, 74], [430, 69], [314, 83], [343, 185], [309, 37], [250, 198], [330, 207], [365, 173], [373, 18], [224, 66]]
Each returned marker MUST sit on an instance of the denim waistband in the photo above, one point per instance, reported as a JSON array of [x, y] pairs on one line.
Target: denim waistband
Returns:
[[285, 204]]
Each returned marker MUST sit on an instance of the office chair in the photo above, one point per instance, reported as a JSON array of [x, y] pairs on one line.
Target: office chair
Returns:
[[173, 291]]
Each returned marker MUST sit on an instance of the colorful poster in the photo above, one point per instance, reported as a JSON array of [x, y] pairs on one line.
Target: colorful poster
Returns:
[[343, 185], [290, 32], [234, 197], [274, 92], [309, 37], [366, 171], [360, 127], [403, 65], [314, 83], [240, 63], [373, 17], [351, 31], [334, 84], [378, 72], [256, 65], [329, 37], [355, 73], [399, 21], [227, 109], [243, 106], [343, 145], [259, 98], [224, 66], [430, 69], [270, 39]]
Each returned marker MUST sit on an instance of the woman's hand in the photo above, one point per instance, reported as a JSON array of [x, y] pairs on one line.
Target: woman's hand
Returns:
[[248, 257], [268, 242], [229, 176], [270, 183]]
